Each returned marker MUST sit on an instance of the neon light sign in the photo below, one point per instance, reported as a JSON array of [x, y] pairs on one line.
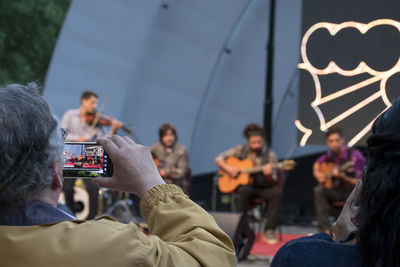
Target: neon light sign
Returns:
[[377, 76]]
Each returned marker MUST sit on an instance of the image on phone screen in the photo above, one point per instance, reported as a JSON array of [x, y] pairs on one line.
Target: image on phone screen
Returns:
[[85, 160]]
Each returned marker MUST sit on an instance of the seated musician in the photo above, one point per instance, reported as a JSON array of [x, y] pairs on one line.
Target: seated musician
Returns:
[[264, 184], [336, 181], [171, 158], [72, 160]]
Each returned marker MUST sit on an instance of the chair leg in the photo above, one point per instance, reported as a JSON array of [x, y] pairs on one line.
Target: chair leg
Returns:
[[214, 194], [233, 202], [260, 226]]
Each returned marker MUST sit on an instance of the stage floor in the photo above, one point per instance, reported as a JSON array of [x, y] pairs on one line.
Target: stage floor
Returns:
[[261, 253]]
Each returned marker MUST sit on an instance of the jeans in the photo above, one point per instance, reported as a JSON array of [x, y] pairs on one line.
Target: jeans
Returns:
[[271, 195], [322, 198]]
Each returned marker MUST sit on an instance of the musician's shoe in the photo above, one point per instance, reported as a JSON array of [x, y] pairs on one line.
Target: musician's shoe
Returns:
[[269, 237]]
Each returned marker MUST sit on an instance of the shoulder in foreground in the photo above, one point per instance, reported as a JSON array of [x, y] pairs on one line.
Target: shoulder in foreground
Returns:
[[316, 250]]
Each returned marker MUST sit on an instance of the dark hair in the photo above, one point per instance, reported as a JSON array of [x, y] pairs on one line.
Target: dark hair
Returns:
[[162, 131], [88, 94], [253, 129], [379, 218], [334, 130]]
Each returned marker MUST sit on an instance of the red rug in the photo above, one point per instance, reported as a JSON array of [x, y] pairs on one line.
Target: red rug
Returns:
[[260, 247], [83, 166]]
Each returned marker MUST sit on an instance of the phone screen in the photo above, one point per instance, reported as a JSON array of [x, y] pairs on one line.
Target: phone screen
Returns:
[[86, 160]]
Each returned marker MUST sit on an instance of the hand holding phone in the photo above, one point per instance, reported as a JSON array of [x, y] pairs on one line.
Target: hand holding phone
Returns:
[[134, 168]]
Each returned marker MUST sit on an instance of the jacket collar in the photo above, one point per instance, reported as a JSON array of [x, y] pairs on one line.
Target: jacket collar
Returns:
[[31, 213]]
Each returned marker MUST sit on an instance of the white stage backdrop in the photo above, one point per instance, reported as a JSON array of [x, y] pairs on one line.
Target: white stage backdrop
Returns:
[[199, 65]]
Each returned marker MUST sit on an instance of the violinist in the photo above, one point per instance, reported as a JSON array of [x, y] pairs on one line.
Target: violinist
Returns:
[[80, 128], [78, 122]]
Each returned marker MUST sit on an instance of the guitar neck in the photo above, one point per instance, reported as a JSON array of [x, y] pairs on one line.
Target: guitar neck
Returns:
[[253, 170], [258, 169]]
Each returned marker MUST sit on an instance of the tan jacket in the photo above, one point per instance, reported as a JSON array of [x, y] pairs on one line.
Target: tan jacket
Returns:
[[182, 234]]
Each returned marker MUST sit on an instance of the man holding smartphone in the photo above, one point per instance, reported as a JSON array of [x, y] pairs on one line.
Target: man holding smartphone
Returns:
[[76, 124], [33, 232]]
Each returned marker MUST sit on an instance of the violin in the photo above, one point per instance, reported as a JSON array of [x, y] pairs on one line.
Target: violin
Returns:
[[95, 119]]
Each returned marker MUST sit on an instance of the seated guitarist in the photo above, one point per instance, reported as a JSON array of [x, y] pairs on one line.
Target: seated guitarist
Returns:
[[263, 184], [335, 182]]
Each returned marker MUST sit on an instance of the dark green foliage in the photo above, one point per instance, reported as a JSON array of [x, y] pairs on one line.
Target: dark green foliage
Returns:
[[28, 35]]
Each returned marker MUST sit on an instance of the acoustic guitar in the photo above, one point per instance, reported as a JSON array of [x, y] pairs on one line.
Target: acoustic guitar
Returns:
[[327, 169], [228, 184]]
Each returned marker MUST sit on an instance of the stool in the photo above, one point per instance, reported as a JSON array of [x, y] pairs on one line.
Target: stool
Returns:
[[260, 203]]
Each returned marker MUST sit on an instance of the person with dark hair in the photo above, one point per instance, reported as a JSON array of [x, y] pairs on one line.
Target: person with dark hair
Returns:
[[171, 157], [263, 184], [74, 121], [378, 221], [34, 232], [88, 95], [366, 230], [337, 172]]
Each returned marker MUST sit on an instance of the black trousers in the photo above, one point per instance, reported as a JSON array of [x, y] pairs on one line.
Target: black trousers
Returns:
[[271, 195], [322, 198], [93, 191]]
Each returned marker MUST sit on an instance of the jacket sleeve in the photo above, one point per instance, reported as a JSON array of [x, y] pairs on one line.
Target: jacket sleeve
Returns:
[[182, 233]]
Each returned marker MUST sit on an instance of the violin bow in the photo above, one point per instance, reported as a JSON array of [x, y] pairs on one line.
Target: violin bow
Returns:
[[98, 113]]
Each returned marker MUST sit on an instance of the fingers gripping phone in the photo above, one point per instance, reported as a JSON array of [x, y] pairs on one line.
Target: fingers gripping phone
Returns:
[[86, 160]]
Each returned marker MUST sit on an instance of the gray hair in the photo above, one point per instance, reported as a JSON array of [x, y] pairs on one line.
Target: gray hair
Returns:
[[30, 143]]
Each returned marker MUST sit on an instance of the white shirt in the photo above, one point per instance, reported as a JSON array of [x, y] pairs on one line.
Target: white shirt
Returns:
[[73, 124]]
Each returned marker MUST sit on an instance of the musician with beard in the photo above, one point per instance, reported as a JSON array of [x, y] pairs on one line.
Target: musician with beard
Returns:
[[264, 184]]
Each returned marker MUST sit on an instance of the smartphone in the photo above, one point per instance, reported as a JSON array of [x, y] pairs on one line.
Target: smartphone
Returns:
[[85, 160]]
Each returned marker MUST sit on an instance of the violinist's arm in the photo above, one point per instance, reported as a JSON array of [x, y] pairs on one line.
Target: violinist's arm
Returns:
[[115, 125]]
